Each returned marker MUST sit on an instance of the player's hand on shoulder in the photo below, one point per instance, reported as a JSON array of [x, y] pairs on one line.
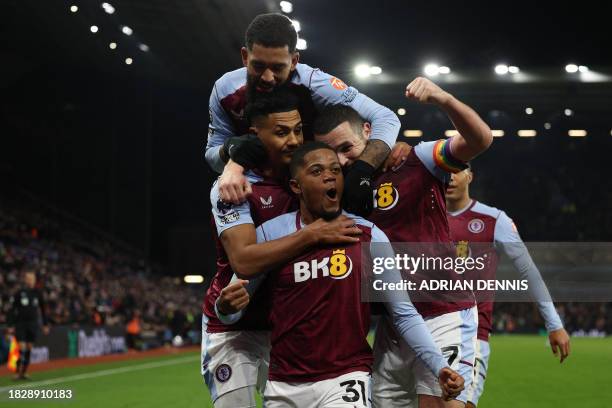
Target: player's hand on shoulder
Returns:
[[560, 343], [341, 230], [233, 185], [398, 155], [425, 91], [451, 382], [233, 298]]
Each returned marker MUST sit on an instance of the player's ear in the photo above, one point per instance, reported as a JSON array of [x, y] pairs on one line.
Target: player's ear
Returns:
[[295, 187], [295, 58], [245, 56], [366, 130], [470, 176]]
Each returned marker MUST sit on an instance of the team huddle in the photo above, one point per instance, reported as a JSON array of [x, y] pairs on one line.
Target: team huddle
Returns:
[[312, 173]]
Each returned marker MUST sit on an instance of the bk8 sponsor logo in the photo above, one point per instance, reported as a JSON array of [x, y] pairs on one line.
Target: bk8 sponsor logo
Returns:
[[386, 196], [338, 266]]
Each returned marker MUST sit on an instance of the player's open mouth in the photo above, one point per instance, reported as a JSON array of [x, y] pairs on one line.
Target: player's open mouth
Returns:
[[332, 193]]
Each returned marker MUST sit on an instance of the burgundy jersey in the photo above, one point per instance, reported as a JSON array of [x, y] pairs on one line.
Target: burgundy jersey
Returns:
[[319, 323], [479, 223], [269, 199], [410, 206]]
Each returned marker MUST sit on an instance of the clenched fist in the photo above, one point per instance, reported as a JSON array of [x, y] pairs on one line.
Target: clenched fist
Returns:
[[425, 91]]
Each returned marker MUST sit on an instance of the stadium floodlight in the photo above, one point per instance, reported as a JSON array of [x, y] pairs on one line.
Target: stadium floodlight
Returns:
[[112, 45], [497, 133], [301, 44], [362, 70], [144, 47], [529, 111], [501, 69], [413, 133], [401, 111], [126, 30], [513, 69], [74, 8], [571, 68], [577, 133], [375, 70], [296, 25], [108, 8], [568, 112], [547, 126], [583, 68], [444, 70], [451, 133], [93, 29], [129, 61], [527, 133], [286, 6], [431, 69], [193, 279]]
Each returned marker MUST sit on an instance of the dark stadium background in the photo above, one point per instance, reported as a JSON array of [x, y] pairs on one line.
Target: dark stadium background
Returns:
[[120, 148]]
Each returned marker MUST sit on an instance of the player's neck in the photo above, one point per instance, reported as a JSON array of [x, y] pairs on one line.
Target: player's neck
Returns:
[[459, 204], [274, 172]]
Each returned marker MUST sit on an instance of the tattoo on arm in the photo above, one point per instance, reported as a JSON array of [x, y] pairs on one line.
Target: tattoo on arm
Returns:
[[375, 153]]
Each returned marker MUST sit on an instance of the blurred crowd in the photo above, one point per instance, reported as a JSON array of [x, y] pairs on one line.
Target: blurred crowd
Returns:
[[87, 280]]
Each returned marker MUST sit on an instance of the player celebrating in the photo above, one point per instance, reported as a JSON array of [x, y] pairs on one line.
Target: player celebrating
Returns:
[[235, 356], [409, 206], [271, 61], [28, 308], [474, 222], [320, 356]]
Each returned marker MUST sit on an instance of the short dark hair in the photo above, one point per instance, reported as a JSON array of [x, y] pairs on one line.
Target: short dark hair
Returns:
[[332, 116], [278, 100], [271, 30], [297, 160]]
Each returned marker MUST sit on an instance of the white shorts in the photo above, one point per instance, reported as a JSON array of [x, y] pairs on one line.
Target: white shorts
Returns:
[[483, 351], [233, 360], [350, 390], [399, 376]]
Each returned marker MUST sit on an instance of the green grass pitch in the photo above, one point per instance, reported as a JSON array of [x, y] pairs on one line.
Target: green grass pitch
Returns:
[[522, 373]]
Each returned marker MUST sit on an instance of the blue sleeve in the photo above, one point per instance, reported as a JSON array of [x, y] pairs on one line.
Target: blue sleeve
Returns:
[[329, 90], [228, 215], [407, 321], [220, 128], [508, 239]]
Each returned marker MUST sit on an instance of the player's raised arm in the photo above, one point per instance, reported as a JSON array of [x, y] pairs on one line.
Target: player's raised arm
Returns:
[[410, 325], [509, 240], [474, 134]]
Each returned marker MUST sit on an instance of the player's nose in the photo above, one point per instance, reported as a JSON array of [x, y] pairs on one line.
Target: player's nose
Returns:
[[267, 76], [343, 160]]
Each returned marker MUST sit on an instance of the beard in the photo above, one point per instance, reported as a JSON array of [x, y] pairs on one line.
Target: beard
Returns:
[[251, 87]]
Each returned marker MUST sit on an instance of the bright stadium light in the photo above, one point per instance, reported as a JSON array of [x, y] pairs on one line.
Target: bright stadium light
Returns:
[[193, 279], [296, 25], [375, 70], [301, 44], [413, 133], [513, 69], [451, 133], [74, 8], [527, 133], [129, 61], [112, 45], [497, 133], [93, 29], [444, 70], [401, 111], [583, 68], [431, 69], [362, 70], [126, 30], [568, 112], [577, 133], [108, 8], [286, 7], [547, 126], [144, 47], [501, 69], [571, 68], [529, 111]]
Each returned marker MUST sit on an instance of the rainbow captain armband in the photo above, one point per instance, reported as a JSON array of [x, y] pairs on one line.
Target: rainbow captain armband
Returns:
[[444, 159]]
